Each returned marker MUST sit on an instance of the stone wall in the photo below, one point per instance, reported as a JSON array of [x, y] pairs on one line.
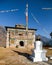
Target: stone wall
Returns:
[[18, 35]]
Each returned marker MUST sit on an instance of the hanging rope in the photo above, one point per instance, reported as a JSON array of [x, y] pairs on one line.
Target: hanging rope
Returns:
[[39, 24]]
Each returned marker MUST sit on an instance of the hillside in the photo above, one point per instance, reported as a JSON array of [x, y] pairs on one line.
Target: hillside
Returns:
[[2, 36], [45, 40], [16, 56]]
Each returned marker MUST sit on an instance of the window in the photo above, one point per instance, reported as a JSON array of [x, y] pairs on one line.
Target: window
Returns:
[[12, 40]]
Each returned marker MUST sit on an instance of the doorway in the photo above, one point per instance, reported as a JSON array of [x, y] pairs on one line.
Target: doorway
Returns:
[[21, 43]]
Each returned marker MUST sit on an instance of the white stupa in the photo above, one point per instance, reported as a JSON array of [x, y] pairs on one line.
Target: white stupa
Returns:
[[39, 53]]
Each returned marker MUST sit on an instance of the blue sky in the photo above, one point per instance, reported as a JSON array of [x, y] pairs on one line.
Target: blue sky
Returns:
[[18, 17]]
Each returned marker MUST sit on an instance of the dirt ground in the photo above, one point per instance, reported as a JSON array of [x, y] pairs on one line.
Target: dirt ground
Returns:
[[15, 56]]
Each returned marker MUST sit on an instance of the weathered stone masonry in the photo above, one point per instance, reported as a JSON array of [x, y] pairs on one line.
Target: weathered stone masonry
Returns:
[[17, 37]]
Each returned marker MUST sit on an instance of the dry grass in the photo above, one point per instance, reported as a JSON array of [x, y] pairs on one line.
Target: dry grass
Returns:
[[49, 52], [8, 56]]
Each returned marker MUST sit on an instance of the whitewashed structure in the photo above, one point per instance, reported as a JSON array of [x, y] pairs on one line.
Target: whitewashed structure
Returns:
[[39, 53]]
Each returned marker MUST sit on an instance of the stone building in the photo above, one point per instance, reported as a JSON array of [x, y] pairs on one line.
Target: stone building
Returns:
[[18, 37]]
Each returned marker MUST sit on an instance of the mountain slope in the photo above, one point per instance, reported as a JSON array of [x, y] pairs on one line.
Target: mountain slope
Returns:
[[2, 36], [45, 40]]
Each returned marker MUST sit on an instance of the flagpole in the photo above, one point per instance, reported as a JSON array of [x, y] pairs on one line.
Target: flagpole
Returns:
[[26, 17], [27, 23]]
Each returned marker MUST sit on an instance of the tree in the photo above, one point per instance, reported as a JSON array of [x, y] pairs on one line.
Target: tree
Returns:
[[51, 35]]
